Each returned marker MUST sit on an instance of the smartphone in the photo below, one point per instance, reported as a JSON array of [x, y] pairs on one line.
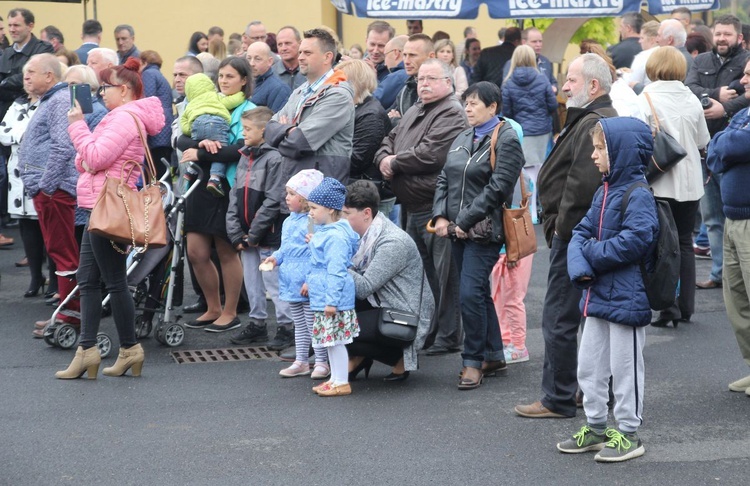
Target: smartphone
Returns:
[[82, 94]]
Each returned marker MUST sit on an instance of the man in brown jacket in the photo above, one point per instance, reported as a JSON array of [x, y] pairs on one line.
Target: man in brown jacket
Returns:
[[411, 157], [567, 183]]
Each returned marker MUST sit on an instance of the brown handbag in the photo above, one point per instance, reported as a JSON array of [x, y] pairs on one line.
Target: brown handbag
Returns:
[[520, 238], [131, 217]]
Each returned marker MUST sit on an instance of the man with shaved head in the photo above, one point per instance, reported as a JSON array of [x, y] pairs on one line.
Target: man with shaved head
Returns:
[[269, 90], [393, 83]]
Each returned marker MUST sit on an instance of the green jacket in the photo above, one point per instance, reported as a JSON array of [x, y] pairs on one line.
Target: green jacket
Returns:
[[203, 99]]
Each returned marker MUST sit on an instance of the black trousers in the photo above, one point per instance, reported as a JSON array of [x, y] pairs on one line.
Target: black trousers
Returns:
[[561, 319], [684, 218], [368, 344]]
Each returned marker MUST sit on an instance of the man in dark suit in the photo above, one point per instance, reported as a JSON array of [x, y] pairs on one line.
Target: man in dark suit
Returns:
[[622, 54], [492, 59]]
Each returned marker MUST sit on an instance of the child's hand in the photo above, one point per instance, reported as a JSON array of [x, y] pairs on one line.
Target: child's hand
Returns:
[[329, 311], [303, 291], [272, 260], [239, 247], [308, 237]]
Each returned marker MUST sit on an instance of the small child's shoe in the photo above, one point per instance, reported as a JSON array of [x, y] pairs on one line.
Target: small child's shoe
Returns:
[[321, 371], [322, 386], [515, 355], [214, 187], [297, 369], [335, 390]]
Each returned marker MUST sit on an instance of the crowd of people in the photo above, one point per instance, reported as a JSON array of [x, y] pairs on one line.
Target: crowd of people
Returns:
[[348, 185]]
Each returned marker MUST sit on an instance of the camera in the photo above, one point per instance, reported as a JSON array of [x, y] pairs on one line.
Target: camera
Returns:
[[706, 101]]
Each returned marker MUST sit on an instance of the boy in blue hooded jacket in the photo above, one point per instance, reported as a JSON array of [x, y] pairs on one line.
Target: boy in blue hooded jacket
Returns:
[[604, 259]]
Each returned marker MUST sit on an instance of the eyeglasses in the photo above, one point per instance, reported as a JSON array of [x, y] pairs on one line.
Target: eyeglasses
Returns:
[[392, 50], [430, 79], [103, 88]]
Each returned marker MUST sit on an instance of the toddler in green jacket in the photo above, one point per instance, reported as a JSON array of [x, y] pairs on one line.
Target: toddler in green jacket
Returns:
[[206, 117]]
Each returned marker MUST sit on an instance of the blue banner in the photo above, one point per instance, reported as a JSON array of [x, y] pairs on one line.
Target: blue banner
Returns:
[[498, 9], [659, 7], [510, 9]]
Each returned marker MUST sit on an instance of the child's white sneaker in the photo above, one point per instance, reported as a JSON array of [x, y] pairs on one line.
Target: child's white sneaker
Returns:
[[515, 355]]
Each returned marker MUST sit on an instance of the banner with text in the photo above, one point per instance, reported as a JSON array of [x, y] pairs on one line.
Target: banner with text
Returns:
[[503, 9], [510, 9], [659, 7]]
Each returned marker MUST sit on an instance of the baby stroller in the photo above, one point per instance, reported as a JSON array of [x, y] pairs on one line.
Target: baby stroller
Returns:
[[157, 265], [157, 277]]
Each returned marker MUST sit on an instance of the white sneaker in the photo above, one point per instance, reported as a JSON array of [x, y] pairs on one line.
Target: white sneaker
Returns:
[[741, 385], [514, 355]]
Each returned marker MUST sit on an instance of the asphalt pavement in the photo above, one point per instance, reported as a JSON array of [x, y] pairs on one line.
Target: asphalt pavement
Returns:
[[239, 423]]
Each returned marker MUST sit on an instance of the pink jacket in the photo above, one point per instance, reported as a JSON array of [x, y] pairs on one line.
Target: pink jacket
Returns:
[[114, 141]]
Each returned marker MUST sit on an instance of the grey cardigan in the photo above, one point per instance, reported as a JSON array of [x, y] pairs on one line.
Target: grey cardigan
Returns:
[[395, 273]]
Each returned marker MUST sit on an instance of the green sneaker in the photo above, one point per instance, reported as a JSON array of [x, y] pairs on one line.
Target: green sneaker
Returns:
[[621, 447], [584, 440]]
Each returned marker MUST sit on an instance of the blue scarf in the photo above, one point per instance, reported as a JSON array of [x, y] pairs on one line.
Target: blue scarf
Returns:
[[485, 128]]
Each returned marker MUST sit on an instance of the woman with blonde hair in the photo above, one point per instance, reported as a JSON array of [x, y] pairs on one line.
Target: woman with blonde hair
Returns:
[[528, 99], [681, 116], [445, 50], [371, 125], [217, 48]]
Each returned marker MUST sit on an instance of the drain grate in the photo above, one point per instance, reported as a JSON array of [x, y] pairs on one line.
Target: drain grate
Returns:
[[222, 354]]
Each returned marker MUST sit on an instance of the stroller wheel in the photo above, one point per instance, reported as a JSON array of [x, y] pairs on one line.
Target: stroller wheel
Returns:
[[66, 336], [104, 344], [143, 327], [173, 335]]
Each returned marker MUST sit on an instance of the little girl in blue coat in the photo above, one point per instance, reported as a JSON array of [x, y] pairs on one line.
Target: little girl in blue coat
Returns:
[[330, 285], [604, 258], [293, 258]]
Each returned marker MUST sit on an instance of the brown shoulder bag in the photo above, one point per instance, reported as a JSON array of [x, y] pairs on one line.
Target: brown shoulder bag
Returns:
[[131, 217]]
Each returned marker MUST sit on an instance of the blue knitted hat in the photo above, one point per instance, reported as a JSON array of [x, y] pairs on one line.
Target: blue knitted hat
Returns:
[[330, 194]]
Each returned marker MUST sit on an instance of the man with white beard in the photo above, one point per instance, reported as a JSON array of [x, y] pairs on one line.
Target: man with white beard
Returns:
[[567, 183]]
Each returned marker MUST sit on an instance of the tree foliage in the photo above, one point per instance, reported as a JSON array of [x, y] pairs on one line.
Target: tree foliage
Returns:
[[601, 29]]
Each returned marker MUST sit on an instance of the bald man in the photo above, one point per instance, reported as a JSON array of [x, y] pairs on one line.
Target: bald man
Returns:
[[393, 83], [269, 90]]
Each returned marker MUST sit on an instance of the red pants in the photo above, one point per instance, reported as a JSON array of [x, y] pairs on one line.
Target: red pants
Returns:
[[57, 220], [509, 286]]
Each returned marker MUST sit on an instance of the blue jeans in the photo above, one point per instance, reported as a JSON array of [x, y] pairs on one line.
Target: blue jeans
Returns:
[[212, 127], [712, 210], [482, 340]]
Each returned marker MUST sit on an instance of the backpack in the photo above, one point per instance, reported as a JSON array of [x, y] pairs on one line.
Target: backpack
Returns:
[[661, 284]]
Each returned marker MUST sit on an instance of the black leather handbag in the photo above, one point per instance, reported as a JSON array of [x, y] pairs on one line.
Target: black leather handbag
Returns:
[[667, 150], [396, 328]]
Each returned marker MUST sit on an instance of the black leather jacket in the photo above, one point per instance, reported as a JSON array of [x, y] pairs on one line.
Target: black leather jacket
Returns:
[[467, 189], [11, 66], [709, 73]]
